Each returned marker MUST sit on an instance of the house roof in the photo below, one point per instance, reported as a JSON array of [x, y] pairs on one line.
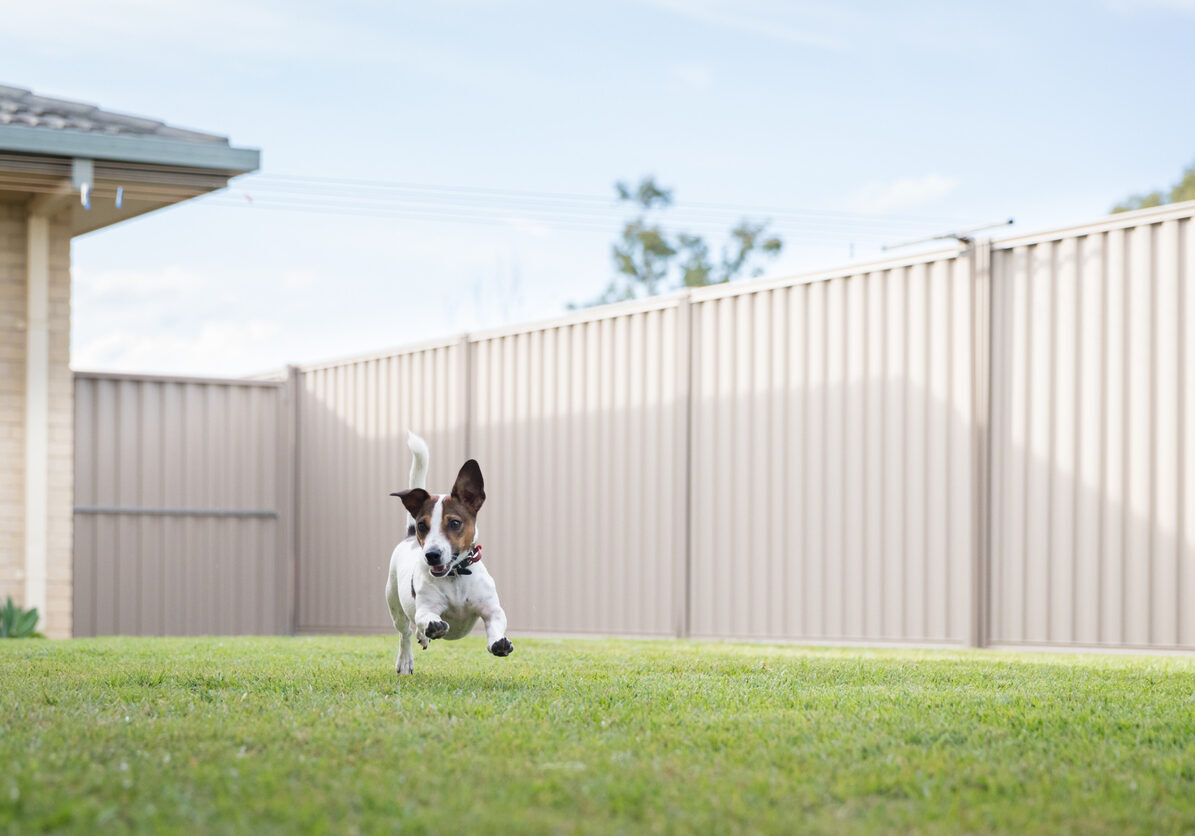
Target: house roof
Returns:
[[19, 106], [33, 124], [99, 167]]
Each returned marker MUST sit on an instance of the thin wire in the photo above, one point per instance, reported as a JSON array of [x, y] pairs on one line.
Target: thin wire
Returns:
[[793, 234], [284, 179], [419, 201]]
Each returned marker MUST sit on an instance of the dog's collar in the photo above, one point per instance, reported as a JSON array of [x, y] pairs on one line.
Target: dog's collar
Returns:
[[474, 556]]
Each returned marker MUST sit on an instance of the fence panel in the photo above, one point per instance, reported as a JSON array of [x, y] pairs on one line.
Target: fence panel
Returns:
[[1093, 475], [180, 495], [579, 428], [353, 418], [831, 457]]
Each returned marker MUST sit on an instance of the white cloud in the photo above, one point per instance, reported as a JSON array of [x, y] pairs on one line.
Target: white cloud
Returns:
[[131, 282], [174, 319], [212, 348], [903, 193]]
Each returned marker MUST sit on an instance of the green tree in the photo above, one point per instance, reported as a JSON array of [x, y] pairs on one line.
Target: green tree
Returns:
[[1184, 189], [648, 259]]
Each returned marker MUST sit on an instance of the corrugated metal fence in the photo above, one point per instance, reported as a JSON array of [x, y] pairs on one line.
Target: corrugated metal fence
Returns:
[[1093, 435], [181, 494], [986, 446], [352, 421]]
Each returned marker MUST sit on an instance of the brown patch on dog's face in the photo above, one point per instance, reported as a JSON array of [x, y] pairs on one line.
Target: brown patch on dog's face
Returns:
[[419, 504], [458, 523]]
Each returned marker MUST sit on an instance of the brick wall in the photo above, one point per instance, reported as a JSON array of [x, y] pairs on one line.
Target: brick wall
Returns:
[[60, 542], [56, 621], [12, 400]]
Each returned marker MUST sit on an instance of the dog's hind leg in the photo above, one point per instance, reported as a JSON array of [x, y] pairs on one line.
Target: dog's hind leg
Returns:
[[406, 659], [405, 663]]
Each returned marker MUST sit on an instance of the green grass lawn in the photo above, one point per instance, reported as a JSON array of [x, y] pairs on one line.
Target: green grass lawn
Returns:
[[591, 736]]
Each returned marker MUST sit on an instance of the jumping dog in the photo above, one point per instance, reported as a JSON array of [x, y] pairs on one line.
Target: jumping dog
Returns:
[[437, 587]]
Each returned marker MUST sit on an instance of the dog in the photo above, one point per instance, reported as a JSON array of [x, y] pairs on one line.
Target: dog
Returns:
[[437, 587]]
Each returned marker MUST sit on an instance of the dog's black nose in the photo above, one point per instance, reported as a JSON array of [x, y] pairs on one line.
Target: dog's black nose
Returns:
[[433, 557]]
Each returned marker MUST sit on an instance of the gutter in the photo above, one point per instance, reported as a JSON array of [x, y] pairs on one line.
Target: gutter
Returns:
[[219, 156]]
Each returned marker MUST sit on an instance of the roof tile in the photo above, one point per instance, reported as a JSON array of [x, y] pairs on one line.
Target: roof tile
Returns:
[[19, 106]]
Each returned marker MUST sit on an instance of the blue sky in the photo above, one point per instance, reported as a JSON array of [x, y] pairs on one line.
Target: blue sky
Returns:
[[864, 122]]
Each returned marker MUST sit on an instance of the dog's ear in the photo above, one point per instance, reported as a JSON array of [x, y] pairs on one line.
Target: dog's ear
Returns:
[[470, 487], [413, 499]]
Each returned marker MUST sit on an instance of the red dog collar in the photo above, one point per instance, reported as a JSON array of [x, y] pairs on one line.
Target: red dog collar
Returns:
[[474, 556]]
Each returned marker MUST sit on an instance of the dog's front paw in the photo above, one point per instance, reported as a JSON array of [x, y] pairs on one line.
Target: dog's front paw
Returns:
[[436, 629], [405, 666], [502, 647]]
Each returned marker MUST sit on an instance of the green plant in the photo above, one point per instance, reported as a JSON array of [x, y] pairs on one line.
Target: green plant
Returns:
[[17, 623]]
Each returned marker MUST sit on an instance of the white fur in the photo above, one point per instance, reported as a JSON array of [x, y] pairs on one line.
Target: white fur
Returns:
[[419, 459], [457, 600], [435, 539]]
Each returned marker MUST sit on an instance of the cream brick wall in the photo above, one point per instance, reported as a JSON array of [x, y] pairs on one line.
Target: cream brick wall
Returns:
[[12, 400], [56, 621]]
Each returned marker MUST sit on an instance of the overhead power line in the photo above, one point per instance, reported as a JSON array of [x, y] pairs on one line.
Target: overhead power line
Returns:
[[345, 188], [558, 210], [499, 206]]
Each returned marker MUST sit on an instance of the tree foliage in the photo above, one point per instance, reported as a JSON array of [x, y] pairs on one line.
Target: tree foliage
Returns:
[[1184, 189], [650, 259]]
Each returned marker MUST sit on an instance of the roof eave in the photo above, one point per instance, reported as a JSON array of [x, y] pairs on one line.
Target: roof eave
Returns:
[[134, 149]]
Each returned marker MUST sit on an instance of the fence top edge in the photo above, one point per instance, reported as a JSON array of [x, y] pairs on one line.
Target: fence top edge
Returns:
[[721, 291], [1121, 220], [379, 354], [583, 316], [82, 374]]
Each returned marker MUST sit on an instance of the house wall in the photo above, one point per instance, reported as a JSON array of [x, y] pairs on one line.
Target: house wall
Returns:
[[56, 621]]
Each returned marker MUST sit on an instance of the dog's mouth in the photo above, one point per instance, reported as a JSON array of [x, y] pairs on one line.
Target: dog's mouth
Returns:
[[440, 571]]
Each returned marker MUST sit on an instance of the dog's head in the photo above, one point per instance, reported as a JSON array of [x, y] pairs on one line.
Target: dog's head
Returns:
[[445, 526]]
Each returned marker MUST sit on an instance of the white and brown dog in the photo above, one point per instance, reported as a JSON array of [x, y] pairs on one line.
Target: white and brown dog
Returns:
[[437, 584]]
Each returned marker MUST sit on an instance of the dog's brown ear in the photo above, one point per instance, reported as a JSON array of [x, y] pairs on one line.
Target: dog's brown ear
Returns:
[[413, 499], [470, 487]]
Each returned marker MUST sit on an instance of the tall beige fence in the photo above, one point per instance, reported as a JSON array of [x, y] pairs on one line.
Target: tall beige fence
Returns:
[[1093, 434], [985, 445], [352, 420], [832, 493], [580, 430], [182, 491]]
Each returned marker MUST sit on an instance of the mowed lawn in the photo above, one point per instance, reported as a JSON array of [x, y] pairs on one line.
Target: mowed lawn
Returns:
[[589, 736]]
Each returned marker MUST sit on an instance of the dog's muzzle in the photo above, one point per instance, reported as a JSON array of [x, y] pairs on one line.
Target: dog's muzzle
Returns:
[[434, 558]]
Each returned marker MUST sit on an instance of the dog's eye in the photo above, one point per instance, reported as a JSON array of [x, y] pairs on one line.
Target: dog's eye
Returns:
[[454, 524], [422, 527]]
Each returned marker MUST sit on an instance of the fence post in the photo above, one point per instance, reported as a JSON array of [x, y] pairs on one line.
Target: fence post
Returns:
[[290, 500], [981, 381], [466, 399], [683, 567]]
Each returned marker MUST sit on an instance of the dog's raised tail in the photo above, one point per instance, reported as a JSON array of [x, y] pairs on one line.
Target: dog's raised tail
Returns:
[[419, 459]]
